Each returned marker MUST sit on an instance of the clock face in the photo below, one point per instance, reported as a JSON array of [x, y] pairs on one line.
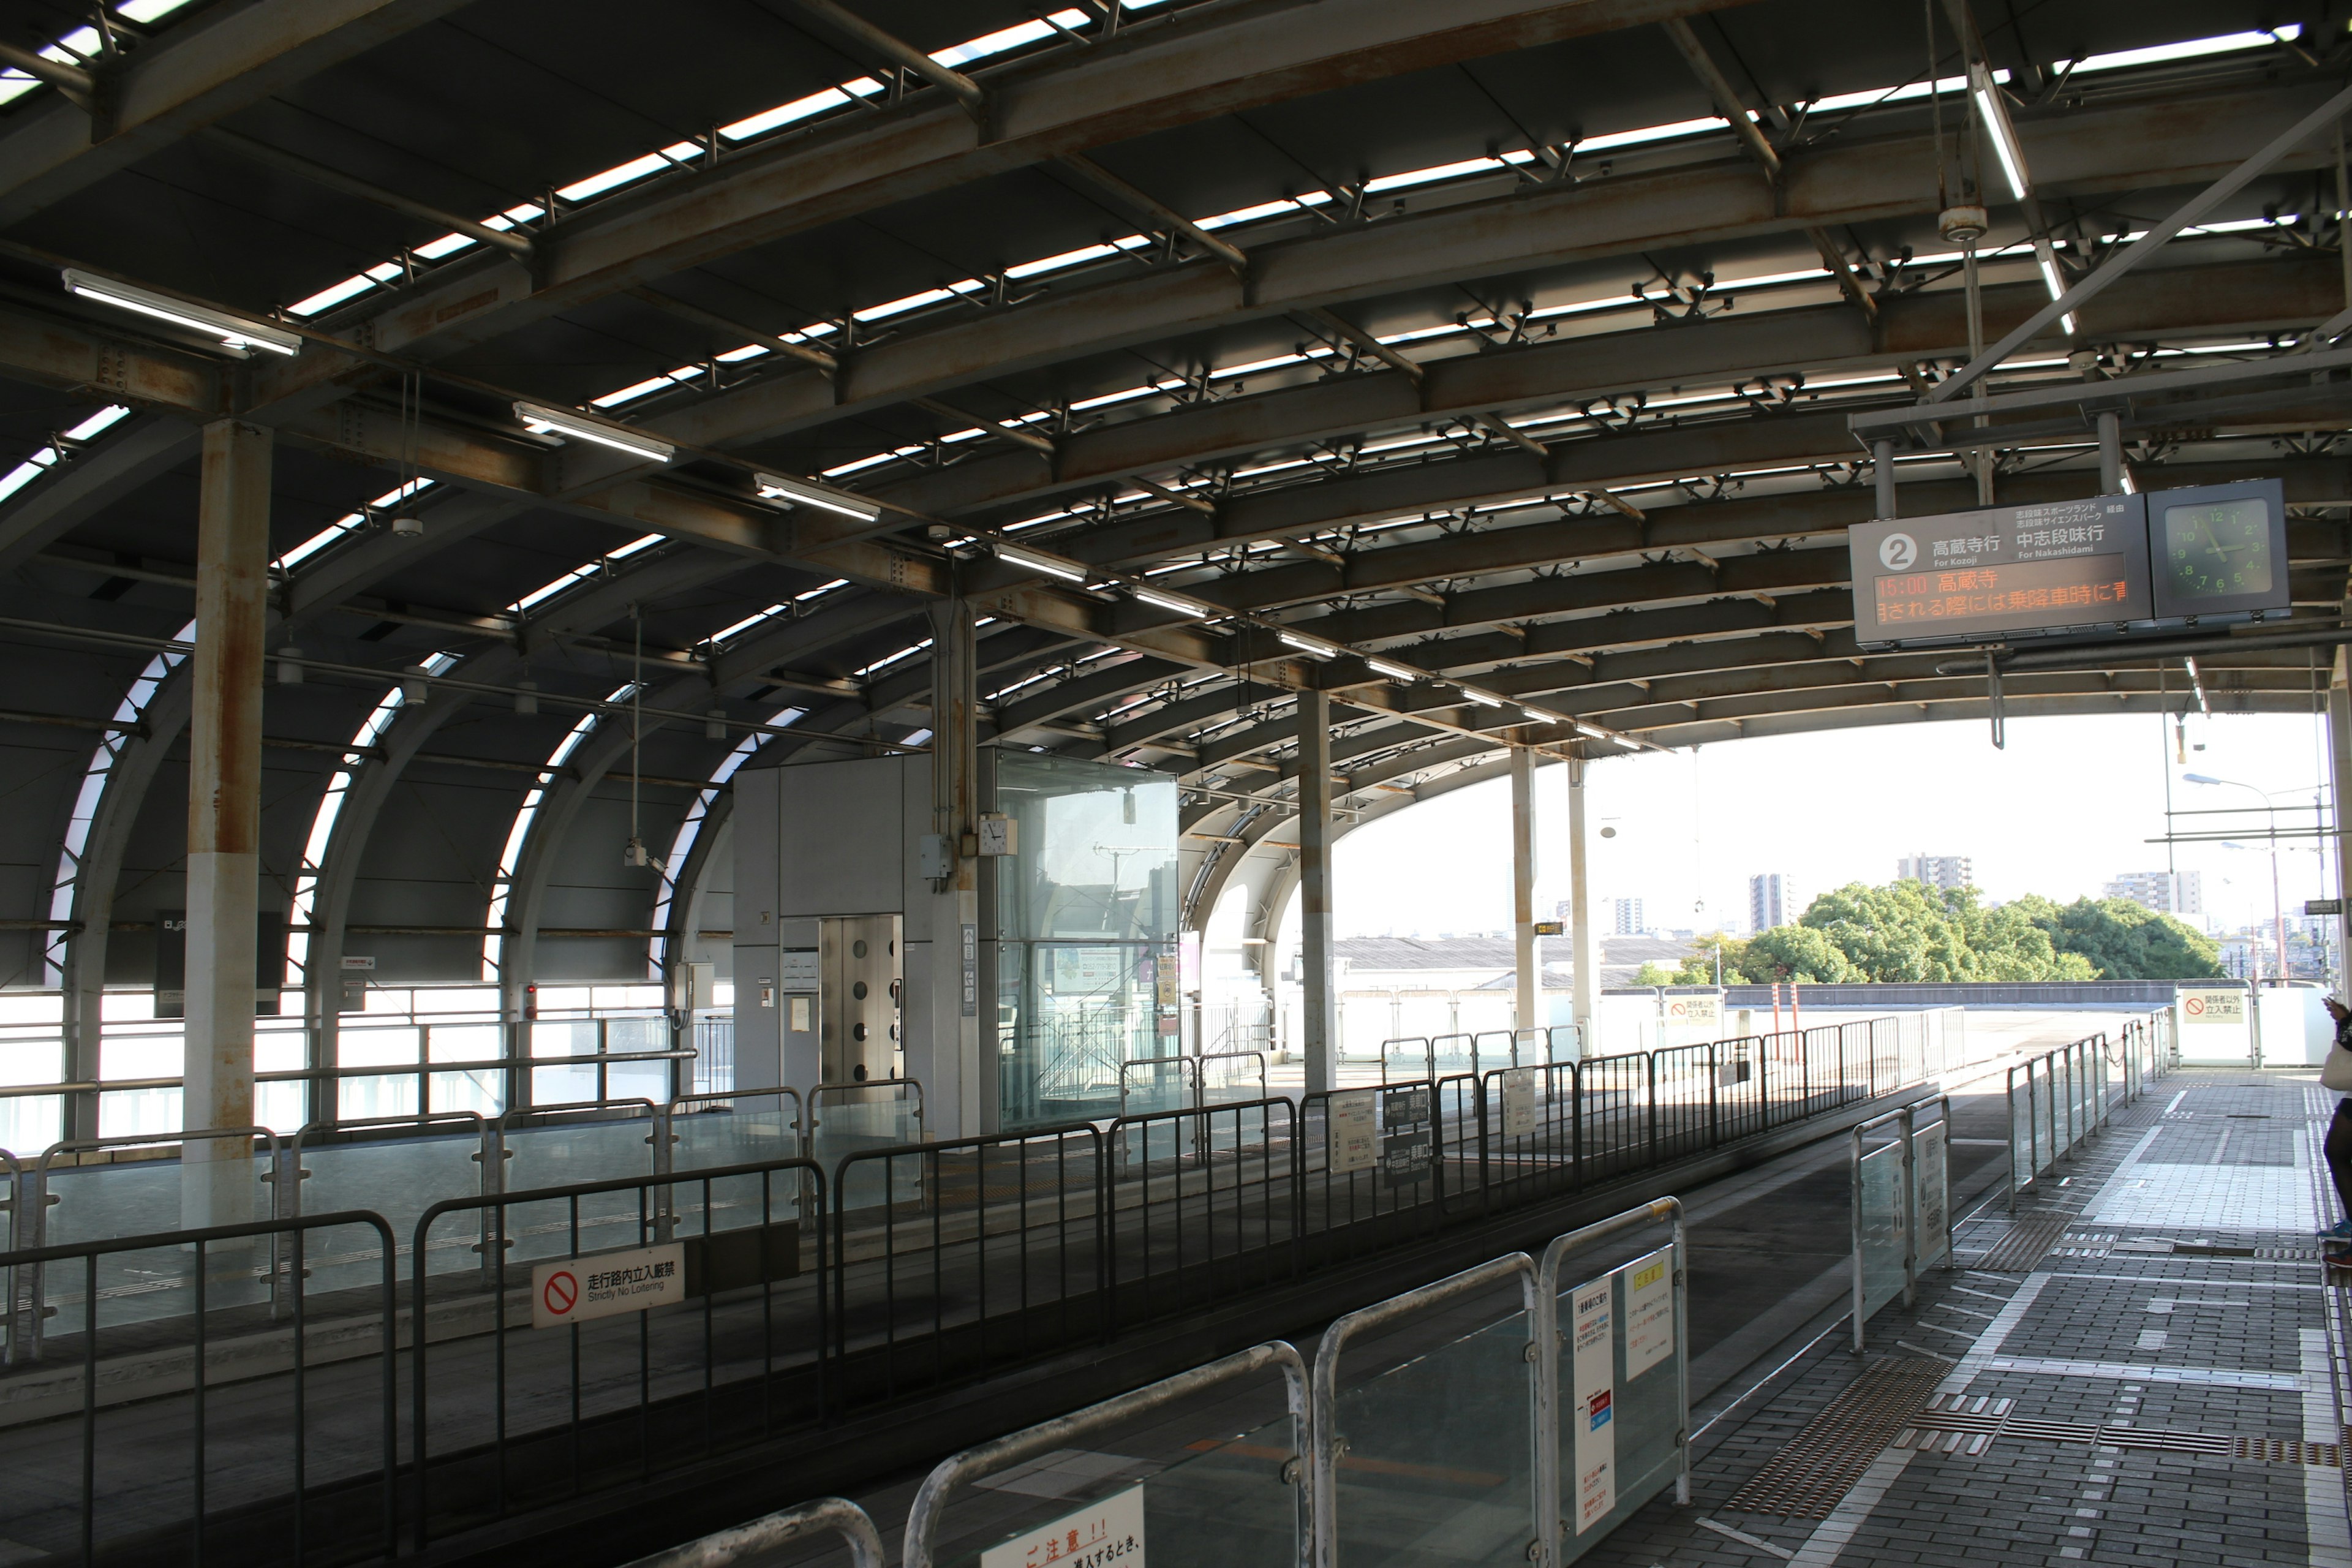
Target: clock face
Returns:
[[2219, 550]]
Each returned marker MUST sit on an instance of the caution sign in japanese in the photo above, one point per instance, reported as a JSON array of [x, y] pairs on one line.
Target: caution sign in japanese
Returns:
[[606, 1285], [1348, 1118], [1108, 1533], [1519, 1102], [1592, 1414], [1649, 1311], [2213, 1007]]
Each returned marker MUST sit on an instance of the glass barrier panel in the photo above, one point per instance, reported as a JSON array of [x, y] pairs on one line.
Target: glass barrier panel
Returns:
[[1879, 1192], [566, 1153], [1405, 1058], [398, 1178], [1225, 1079], [877, 1118], [1620, 1399], [2021, 1124], [751, 1128], [30, 1123], [1224, 1506], [143, 1197], [1453, 1054], [1931, 1180], [1438, 1463]]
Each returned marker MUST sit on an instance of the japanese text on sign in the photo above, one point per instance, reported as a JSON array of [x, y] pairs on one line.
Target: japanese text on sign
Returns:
[[1518, 1101], [2030, 590], [1592, 1417], [577, 1290], [1348, 1118], [2213, 1007], [1100, 1535], [1649, 1311]]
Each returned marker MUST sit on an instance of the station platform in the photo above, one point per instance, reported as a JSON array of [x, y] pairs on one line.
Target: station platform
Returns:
[[2143, 1364], [2139, 1359]]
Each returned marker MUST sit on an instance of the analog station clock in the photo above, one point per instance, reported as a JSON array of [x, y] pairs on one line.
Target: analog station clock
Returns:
[[2220, 550]]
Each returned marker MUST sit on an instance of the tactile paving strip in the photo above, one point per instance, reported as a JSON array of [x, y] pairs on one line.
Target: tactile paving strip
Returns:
[[1820, 1465], [1948, 1422], [2023, 1246]]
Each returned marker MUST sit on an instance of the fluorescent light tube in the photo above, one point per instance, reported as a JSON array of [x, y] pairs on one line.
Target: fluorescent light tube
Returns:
[[1180, 606], [1481, 699], [1996, 123], [238, 334], [2053, 280], [1052, 567], [1393, 671], [541, 420], [1307, 645], [802, 492]]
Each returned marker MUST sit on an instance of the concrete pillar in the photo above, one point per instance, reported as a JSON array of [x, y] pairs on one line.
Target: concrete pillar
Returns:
[[225, 818], [1586, 942], [1319, 998], [951, 1088], [1527, 970], [2339, 755]]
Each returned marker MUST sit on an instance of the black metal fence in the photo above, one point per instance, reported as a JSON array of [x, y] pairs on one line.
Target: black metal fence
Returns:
[[784, 1295]]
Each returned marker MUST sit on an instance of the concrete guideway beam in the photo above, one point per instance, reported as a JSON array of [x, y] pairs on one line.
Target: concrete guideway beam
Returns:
[[189, 79]]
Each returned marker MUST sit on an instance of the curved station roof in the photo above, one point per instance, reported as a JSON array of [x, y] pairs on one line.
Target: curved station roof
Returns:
[[639, 375]]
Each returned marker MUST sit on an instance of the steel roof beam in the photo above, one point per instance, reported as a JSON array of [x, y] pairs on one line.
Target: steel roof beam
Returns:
[[196, 74], [2131, 146], [1179, 72]]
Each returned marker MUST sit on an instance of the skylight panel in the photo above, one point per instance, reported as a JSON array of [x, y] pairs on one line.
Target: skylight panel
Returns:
[[887, 660], [747, 622], [619, 175], [632, 392], [447, 244], [1267, 209], [1437, 172], [800, 109], [2187, 49], [901, 306], [1011, 37], [1908, 91], [1068, 258], [40, 461], [333, 295], [1653, 134]]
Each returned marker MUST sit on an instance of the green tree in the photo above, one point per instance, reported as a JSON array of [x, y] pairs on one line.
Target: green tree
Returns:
[[1908, 931], [2124, 941]]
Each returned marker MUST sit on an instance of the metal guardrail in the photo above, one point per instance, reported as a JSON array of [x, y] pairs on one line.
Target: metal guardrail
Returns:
[[826, 1516], [1628, 1324], [2056, 1100], [211, 1262], [900, 1267]]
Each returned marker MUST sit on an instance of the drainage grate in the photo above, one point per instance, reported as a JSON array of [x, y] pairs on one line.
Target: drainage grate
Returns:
[[1808, 1477], [2289, 1451]]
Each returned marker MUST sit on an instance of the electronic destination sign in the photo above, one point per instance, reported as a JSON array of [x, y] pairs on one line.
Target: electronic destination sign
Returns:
[[2106, 566]]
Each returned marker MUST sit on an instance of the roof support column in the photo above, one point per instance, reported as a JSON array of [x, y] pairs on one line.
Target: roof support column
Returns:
[[1586, 948], [944, 1049], [1319, 1001], [2111, 454], [2339, 781], [1523, 889], [1882, 474], [225, 818]]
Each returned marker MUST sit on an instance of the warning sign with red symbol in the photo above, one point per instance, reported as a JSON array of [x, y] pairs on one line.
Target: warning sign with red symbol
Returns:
[[605, 1284]]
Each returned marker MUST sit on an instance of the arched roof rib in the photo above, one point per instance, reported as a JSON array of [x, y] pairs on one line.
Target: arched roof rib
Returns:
[[1381, 506]]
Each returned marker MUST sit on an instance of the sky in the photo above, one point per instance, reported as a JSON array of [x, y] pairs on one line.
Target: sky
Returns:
[[2068, 805]]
